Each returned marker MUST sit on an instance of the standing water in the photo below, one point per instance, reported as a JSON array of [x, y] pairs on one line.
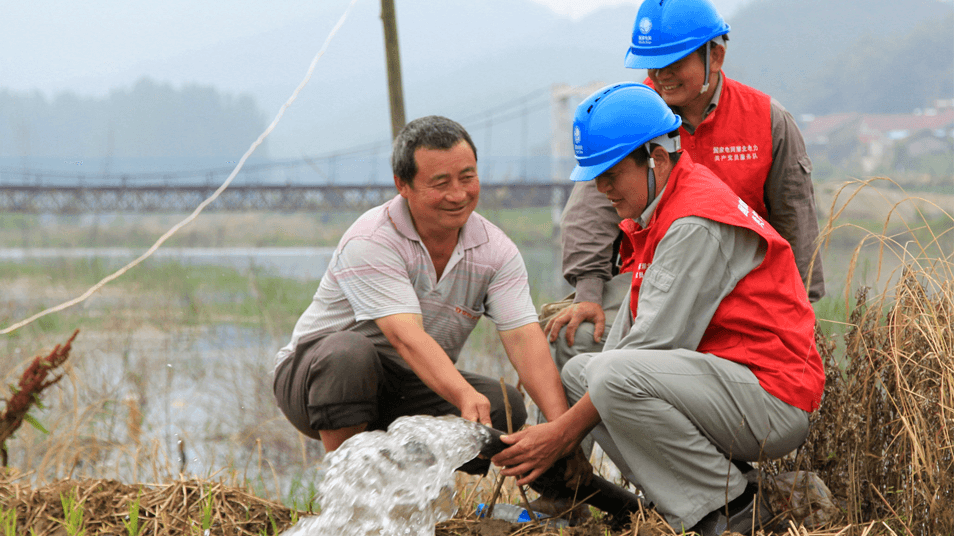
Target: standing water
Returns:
[[394, 483]]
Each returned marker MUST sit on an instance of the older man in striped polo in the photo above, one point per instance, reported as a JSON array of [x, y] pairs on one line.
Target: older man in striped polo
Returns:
[[406, 285]]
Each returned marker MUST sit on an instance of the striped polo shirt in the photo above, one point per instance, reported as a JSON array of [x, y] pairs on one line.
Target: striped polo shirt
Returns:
[[381, 268]]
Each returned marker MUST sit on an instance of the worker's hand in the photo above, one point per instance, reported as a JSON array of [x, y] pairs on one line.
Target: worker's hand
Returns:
[[474, 407], [572, 317], [532, 451], [579, 472]]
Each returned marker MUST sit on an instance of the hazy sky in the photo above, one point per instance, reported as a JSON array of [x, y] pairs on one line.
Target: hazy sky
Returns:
[[53, 46], [580, 8]]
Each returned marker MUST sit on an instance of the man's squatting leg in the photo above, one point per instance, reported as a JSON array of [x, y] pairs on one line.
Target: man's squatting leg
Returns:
[[675, 416], [331, 384]]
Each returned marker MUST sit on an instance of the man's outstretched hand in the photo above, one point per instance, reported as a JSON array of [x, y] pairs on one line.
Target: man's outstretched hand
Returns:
[[572, 317], [532, 451]]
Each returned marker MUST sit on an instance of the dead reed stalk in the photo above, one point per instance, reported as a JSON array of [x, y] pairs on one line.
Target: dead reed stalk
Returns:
[[27, 392], [174, 508]]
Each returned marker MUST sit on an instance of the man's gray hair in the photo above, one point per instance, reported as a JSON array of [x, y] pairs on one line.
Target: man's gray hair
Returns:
[[431, 132]]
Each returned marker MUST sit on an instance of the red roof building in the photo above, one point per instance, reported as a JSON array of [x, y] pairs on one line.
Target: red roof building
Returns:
[[877, 133]]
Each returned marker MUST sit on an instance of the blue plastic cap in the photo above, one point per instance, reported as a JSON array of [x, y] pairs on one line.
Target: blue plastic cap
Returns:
[[665, 32], [614, 121]]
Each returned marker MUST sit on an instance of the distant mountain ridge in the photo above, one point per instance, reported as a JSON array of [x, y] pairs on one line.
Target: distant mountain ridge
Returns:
[[796, 50], [462, 58], [783, 47]]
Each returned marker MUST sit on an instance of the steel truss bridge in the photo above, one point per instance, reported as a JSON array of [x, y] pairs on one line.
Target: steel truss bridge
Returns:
[[132, 198], [349, 179]]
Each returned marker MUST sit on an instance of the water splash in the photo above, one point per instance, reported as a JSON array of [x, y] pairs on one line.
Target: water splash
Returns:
[[394, 483]]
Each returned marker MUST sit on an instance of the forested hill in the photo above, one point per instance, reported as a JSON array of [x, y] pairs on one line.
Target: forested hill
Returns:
[[149, 120], [821, 56]]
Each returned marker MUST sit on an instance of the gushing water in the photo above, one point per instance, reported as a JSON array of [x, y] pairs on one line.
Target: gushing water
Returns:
[[394, 483]]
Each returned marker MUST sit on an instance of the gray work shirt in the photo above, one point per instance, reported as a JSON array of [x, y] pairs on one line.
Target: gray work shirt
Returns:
[[589, 224], [701, 261]]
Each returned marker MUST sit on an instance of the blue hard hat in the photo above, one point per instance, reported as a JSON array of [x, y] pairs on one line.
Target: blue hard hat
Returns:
[[614, 121], [665, 32]]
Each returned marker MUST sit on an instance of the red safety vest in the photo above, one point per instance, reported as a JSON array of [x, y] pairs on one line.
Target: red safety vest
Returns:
[[766, 322], [735, 141]]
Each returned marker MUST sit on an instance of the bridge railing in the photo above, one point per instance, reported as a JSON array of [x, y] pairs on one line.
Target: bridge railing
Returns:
[[55, 199]]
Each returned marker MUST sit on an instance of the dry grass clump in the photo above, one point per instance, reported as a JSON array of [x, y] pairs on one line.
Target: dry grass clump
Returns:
[[882, 440], [110, 507]]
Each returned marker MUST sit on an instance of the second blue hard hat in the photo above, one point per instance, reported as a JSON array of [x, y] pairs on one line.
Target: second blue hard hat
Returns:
[[667, 31]]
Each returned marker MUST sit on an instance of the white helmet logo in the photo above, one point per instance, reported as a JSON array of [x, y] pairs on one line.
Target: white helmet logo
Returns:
[[576, 135], [645, 25]]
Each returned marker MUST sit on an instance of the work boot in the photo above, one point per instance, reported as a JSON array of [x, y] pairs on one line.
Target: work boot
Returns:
[[616, 501], [740, 516]]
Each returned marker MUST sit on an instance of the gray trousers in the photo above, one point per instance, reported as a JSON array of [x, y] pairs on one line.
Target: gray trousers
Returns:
[[614, 292], [672, 419]]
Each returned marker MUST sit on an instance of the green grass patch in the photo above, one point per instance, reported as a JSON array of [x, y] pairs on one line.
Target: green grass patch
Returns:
[[188, 294], [530, 225]]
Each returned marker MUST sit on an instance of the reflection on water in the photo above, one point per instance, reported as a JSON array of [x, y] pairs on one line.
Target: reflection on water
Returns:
[[185, 400]]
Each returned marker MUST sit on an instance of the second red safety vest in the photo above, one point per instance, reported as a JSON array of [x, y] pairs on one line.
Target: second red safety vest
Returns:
[[735, 141]]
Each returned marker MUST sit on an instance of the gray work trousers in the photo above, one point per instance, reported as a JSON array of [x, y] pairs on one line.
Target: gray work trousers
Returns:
[[673, 419], [615, 292]]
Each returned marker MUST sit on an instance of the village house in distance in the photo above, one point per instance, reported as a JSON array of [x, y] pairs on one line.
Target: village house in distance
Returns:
[[920, 144]]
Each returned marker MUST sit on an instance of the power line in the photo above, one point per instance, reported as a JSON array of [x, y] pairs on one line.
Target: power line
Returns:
[[506, 106]]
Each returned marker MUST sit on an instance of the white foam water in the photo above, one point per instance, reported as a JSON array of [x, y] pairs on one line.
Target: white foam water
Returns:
[[394, 483]]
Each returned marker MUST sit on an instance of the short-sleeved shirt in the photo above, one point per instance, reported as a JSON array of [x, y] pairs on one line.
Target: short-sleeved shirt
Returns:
[[381, 268]]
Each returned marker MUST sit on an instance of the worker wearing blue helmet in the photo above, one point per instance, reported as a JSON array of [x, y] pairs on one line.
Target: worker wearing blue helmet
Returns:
[[746, 138], [711, 361]]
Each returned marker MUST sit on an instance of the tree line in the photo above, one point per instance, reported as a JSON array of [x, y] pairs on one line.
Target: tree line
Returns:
[[148, 120]]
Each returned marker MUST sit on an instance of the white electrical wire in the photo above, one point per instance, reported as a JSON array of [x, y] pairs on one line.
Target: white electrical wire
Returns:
[[202, 205]]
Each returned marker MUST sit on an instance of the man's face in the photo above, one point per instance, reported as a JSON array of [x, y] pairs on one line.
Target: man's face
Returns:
[[445, 190], [679, 83], [625, 186]]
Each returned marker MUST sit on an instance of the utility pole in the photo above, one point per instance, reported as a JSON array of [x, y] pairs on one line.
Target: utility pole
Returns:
[[395, 91]]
